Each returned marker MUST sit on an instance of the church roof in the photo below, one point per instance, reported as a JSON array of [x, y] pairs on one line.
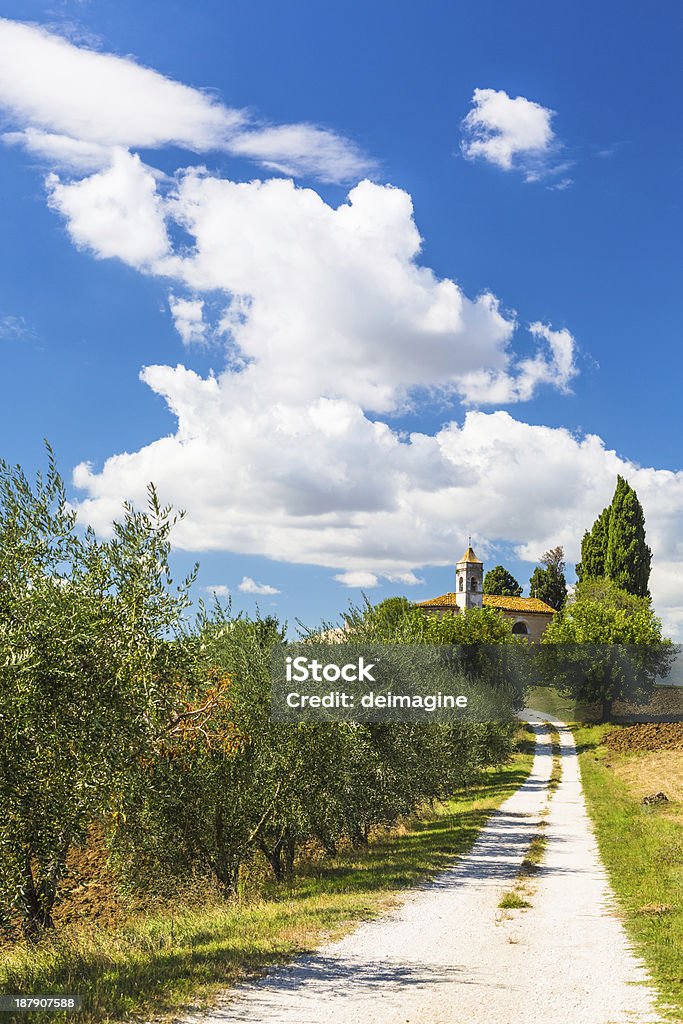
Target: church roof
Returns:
[[526, 605], [518, 604], [446, 600], [470, 556]]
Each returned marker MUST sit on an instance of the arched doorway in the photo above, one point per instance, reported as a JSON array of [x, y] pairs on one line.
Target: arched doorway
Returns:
[[520, 628]]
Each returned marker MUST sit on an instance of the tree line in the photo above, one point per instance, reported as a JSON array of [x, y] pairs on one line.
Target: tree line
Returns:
[[613, 549], [605, 642], [119, 708], [548, 582]]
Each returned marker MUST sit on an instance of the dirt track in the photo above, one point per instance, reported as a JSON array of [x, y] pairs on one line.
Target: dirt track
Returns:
[[449, 955]]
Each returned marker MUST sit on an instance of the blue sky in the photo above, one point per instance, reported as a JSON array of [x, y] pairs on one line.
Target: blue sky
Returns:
[[327, 306]]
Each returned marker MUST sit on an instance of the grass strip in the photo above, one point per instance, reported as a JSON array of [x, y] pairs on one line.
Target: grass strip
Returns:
[[513, 900], [556, 770], [516, 898], [642, 848], [532, 862], [169, 962]]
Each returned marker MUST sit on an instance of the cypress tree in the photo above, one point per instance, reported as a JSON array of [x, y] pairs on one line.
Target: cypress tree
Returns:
[[615, 545], [594, 548], [628, 556]]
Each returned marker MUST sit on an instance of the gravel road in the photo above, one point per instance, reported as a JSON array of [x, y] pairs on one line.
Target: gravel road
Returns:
[[449, 955]]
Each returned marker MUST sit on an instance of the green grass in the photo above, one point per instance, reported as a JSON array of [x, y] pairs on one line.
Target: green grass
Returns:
[[162, 963], [516, 899], [550, 702], [513, 901], [556, 771], [535, 853], [642, 848]]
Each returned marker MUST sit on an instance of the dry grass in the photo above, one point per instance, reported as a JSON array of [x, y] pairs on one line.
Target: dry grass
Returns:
[[658, 771], [167, 961], [642, 848]]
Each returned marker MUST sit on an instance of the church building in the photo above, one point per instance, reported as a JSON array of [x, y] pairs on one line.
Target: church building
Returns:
[[529, 615]]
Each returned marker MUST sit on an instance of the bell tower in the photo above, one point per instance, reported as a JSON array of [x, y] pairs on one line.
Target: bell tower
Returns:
[[469, 580]]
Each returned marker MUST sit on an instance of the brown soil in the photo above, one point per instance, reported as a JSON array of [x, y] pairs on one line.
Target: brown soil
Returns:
[[88, 893], [645, 736], [666, 701]]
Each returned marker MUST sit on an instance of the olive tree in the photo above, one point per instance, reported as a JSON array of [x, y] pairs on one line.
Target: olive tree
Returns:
[[83, 688], [605, 645]]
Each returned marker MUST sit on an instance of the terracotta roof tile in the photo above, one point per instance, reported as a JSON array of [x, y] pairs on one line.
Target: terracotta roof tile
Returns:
[[447, 600], [511, 604], [518, 604]]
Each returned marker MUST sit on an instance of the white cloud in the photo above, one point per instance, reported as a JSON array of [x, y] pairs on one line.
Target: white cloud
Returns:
[[329, 316], [553, 365], [218, 590], [323, 301], [362, 500], [338, 304], [562, 185], [116, 212], [101, 98], [249, 586], [510, 133], [303, 149], [73, 30], [408, 579], [15, 328], [85, 102], [188, 317], [364, 580], [61, 151], [332, 316], [560, 369]]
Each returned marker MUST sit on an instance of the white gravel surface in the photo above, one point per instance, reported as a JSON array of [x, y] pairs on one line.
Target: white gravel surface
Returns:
[[449, 955]]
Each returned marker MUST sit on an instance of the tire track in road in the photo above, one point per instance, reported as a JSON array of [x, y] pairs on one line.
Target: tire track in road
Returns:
[[448, 955]]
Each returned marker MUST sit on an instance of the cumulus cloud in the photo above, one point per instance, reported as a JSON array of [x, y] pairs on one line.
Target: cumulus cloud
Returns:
[[115, 212], [553, 364], [331, 323], [370, 503], [408, 579], [249, 586], [188, 317], [511, 133], [84, 103], [320, 300], [364, 580], [218, 590]]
